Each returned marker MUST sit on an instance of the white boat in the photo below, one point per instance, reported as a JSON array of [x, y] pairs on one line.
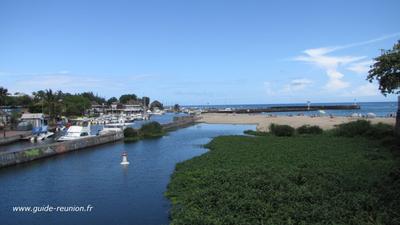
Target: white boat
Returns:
[[41, 136], [37, 122], [158, 112], [112, 128], [75, 133]]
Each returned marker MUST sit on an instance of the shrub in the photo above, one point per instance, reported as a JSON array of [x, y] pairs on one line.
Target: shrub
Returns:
[[379, 131], [130, 132], [281, 130], [152, 129], [352, 129], [307, 129], [255, 133]]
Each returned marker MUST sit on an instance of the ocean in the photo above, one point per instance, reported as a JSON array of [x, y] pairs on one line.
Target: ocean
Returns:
[[380, 109]]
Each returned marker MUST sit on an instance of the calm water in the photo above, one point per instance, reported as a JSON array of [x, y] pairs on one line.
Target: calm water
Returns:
[[120, 195]]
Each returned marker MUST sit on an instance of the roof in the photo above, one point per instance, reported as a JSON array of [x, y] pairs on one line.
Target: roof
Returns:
[[32, 116]]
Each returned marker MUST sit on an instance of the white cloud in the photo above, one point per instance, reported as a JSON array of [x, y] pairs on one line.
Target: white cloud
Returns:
[[268, 88], [58, 81], [331, 64], [360, 67], [366, 90], [297, 85]]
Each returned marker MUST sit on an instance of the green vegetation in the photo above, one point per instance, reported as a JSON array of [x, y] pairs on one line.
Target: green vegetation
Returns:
[[149, 130], [307, 129], [152, 129], [156, 104], [57, 103], [32, 152], [281, 130], [131, 135], [126, 98], [386, 71], [318, 179], [272, 178], [255, 133], [364, 128]]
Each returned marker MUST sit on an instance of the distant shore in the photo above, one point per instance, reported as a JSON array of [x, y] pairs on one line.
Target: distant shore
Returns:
[[263, 121]]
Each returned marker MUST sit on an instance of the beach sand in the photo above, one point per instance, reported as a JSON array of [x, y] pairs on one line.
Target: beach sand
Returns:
[[263, 121]]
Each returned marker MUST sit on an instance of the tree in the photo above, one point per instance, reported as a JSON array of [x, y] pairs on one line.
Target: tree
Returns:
[[386, 70], [93, 97], [125, 98], [3, 95], [156, 104], [52, 101], [145, 101], [75, 105], [111, 100], [177, 107]]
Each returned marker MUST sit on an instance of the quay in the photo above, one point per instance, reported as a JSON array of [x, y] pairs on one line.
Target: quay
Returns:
[[47, 150], [286, 109], [13, 136]]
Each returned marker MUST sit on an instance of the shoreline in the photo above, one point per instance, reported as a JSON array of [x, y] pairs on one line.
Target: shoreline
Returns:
[[263, 121]]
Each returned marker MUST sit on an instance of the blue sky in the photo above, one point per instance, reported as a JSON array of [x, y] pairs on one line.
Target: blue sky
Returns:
[[198, 52]]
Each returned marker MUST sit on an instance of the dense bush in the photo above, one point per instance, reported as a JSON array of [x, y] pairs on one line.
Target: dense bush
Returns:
[[307, 129], [364, 128], [152, 129], [379, 131], [281, 130], [255, 133], [131, 135], [352, 129], [130, 132]]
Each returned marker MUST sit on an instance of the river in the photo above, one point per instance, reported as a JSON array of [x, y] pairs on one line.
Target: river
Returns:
[[132, 194]]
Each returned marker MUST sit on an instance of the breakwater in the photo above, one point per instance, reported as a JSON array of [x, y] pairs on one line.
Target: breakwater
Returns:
[[180, 122], [47, 150], [286, 109]]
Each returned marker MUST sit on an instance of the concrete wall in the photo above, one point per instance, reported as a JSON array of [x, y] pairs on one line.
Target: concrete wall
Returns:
[[38, 152], [179, 122]]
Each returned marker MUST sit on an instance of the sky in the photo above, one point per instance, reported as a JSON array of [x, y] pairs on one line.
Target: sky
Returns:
[[198, 52]]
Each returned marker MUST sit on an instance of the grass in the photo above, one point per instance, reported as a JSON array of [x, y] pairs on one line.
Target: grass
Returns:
[[320, 179]]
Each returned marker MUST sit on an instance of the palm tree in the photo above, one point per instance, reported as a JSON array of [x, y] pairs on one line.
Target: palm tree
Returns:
[[53, 102], [50, 102], [3, 94], [386, 70]]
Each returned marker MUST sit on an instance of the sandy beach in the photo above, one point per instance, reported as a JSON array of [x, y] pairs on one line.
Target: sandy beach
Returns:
[[263, 121]]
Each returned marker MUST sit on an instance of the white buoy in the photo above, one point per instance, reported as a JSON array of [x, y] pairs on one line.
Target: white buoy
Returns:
[[124, 159]]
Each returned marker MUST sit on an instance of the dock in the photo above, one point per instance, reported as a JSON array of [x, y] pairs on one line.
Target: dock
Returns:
[[13, 136]]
